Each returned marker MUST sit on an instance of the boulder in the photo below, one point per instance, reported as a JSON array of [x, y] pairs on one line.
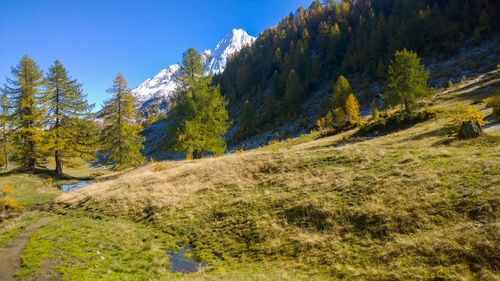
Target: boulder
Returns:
[[470, 129]]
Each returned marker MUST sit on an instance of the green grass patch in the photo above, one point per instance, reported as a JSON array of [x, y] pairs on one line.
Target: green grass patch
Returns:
[[81, 248]]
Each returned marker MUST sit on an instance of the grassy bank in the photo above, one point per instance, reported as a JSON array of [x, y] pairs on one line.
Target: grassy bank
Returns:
[[413, 204]]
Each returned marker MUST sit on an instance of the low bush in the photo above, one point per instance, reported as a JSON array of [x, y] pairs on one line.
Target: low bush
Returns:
[[464, 114], [494, 103], [388, 123]]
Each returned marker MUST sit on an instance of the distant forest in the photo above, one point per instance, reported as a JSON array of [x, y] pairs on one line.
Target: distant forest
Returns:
[[313, 46]]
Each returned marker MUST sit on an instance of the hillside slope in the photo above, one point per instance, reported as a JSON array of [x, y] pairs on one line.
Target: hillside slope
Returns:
[[411, 205]]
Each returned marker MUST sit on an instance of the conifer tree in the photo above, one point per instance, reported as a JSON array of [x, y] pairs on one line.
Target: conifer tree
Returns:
[[200, 117], [72, 134], [352, 109], [339, 116], [121, 140], [292, 92], [26, 91], [407, 80], [247, 116], [374, 110], [341, 90], [5, 129]]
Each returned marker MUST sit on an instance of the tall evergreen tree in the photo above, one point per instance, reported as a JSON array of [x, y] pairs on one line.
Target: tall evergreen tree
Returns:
[[406, 80], [341, 90], [5, 129], [200, 117], [72, 134], [292, 92], [247, 118], [26, 91], [121, 141]]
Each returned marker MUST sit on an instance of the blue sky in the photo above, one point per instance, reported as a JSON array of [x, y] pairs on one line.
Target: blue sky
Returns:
[[95, 39]]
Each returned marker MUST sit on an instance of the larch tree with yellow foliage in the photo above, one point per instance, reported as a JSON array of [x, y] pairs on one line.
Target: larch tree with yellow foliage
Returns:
[[121, 140], [352, 109], [72, 133], [27, 93]]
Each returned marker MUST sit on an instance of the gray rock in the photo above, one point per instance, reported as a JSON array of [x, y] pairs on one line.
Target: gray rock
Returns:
[[470, 129]]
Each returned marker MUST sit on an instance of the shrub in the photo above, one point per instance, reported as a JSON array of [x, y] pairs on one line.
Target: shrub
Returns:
[[463, 79], [7, 189], [159, 167], [494, 103], [450, 84], [189, 156], [97, 174], [239, 152], [339, 116], [465, 114], [398, 121], [7, 203]]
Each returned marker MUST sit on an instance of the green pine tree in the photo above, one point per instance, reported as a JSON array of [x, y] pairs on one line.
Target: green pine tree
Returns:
[[72, 133], [341, 90], [5, 129], [407, 80], [121, 140], [247, 118], [199, 118], [292, 92], [26, 91]]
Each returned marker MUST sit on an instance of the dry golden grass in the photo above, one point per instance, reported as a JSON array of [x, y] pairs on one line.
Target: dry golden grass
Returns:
[[412, 204]]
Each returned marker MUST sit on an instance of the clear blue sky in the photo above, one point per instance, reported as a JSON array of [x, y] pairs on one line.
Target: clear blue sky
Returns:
[[95, 39]]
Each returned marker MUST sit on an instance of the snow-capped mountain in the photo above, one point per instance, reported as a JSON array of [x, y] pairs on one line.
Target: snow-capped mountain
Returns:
[[232, 43], [163, 84], [153, 94]]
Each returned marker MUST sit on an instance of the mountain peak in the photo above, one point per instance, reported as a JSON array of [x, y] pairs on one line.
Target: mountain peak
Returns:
[[157, 91], [233, 42]]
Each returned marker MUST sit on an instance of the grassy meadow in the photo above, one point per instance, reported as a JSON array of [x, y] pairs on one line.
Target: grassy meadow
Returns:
[[414, 204]]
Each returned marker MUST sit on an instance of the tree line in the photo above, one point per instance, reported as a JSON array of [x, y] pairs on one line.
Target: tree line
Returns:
[[268, 82], [47, 116]]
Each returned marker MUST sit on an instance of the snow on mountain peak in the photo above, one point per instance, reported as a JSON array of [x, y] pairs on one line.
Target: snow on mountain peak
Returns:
[[232, 43], [157, 91]]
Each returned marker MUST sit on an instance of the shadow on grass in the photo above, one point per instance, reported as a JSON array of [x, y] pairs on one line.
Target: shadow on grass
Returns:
[[43, 173]]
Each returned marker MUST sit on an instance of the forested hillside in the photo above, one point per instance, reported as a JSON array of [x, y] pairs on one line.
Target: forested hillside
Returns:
[[310, 48]]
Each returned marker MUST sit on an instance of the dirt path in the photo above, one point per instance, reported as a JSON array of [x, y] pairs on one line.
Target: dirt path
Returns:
[[11, 253]]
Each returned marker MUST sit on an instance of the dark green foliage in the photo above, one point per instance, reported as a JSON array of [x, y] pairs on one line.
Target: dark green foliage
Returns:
[[199, 118], [402, 120], [72, 133], [247, 119], [29, 117], [292, 92], [5, 129], [406, 80], [120, 139], [341, 90]]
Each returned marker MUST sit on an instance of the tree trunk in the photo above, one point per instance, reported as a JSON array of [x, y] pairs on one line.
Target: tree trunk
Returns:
[[57, 153], [58, 163], [6, 158], [407, 106]]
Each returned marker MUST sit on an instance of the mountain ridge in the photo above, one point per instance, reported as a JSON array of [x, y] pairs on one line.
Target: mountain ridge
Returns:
[[154, 93]]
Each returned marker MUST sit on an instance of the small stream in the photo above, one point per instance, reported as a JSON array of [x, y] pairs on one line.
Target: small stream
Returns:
[[73, 187], [180, 263]]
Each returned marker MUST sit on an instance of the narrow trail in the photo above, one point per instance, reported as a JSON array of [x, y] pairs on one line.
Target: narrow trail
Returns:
[[10, 256]]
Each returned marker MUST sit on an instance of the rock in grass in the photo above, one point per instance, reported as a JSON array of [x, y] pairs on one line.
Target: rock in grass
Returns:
[[470, 129]]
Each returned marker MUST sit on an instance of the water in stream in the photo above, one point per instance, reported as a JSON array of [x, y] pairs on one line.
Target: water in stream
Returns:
[[179, 263], [72, 187]]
